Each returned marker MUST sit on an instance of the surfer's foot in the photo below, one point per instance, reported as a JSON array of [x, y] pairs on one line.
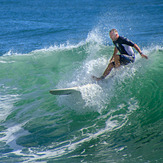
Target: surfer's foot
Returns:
[[96, 78]]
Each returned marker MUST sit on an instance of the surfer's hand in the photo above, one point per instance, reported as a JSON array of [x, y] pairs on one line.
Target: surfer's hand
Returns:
[[144, 56]]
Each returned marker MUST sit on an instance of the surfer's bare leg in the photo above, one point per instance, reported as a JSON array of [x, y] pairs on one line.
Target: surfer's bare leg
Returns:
[[106, 72], [117, 61], [114, 63], [108, 69], [111, 65]]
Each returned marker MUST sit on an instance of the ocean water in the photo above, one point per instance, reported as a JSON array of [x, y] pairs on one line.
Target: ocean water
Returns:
[[47, 44]]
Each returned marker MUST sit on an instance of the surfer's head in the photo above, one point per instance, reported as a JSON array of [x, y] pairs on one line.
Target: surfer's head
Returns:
[[114, 34]]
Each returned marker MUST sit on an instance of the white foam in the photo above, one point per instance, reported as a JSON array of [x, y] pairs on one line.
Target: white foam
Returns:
[[66, 46], [11, 134], [91, 94], [6, 105], [94, 36], [10, 53]]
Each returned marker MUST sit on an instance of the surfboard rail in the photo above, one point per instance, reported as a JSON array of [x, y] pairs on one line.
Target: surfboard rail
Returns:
[[64, 91], [68, 91]]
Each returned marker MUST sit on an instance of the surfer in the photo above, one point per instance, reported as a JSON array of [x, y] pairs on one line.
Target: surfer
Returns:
[[124, 46]]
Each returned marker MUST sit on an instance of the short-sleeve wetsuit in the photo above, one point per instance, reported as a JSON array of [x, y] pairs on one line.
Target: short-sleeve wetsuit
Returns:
[[124, 46]]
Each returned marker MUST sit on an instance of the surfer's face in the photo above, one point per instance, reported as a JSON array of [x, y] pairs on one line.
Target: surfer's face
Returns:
[[113, 36]]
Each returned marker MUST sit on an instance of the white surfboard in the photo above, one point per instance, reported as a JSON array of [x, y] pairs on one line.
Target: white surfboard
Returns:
[[68, 91]]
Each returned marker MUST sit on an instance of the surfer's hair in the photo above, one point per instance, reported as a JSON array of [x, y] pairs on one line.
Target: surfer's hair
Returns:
[[113, 31]]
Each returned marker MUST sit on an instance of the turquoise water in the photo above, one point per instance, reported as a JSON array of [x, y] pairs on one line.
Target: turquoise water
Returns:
[[116, 120]]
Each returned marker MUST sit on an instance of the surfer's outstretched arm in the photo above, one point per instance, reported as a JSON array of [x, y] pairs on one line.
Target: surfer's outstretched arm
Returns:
[[138, 49]]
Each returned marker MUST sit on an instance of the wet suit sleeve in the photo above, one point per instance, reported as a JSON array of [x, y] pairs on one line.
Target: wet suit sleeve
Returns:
[[127, 42]]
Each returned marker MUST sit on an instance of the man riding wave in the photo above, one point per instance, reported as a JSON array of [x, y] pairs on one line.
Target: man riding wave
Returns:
[[124, 46]]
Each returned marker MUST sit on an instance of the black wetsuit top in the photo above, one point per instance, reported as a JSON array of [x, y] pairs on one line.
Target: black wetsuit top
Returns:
[[124, 46]]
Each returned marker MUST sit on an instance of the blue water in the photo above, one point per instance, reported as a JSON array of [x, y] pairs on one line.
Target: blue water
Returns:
[[57, 44]]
